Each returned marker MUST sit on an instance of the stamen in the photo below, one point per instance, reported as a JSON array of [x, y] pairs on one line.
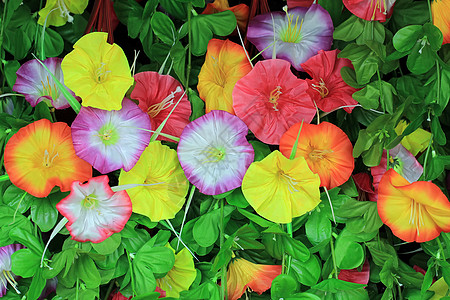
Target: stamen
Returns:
[[106, 135], [319, 154], [101, 74], [48, 158], [89, 201], [274, 96], [292, 33], [10, 278], [64, 12], [49, 89], [291, 182], [213, 155], [155, 109], [321, 88]]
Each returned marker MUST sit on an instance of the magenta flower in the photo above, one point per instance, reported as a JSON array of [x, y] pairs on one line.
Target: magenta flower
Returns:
[[37, 85], [94, 211], [295, 35], [6, 276], [110, 140], [214, 152]]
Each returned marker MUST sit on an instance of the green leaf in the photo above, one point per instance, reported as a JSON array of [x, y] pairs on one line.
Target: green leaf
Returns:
[[37, 285], [10, 70], [373, 31], [25, 262], [318, 228], [53, 42], [295, 248], [307, 272], [407, 37], [381, 252], [87, 271], [261, 149], [206, 229], [434, 35], [368, 97], [334, 285], [164, 28], [349, 254], [23, 237], [349, 76], [157, 259], [364, 60], [283, 286], [197, 104], [237, 199], [109, 245], [409, 12], [42, 111], [386, 273], [422, 58], [349, 30], [17, 199], [44, 212], [16, 42], [175, 8], [438, 133]]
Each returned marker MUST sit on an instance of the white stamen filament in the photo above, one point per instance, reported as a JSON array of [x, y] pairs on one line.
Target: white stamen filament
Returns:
[[155, 109]]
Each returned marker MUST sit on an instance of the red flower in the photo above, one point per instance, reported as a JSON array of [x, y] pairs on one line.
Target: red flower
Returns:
[[301, 3], [371, 10], [327, 88], [353, 275]]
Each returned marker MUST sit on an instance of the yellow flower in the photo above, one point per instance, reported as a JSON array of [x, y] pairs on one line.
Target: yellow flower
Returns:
[[181, 276], [415, 142], [98, 72], [157, 165], [57, 12], [280, 189]]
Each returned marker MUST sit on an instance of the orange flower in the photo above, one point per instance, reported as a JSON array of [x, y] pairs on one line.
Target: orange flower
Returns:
[[326, 148], [240, 11], [243, 274], [441, 18], [415, 212], [41, 155], [225, 64]]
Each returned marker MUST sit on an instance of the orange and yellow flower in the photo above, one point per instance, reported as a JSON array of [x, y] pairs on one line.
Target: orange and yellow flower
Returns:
[[240, 11], [441, 17], [243, 274], [41, 155], [225, 64], [326, 148], [415, 212]]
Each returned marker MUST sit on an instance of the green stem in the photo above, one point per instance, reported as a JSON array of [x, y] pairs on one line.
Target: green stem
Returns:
[[438, 73], [288, 257], [131, 274], [2, 56], [77, 289], [110, 287], [441, 248], [4, 177], [188, 69], [333, 256], [426, 157], [223, 284], [429, 11], [380, 88], [387, 159]]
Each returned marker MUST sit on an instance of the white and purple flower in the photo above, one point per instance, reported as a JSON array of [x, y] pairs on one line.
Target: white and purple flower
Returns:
[[94, 211], [37, 85], [6, 276], [295, 35], [110, 140], [214, 152]]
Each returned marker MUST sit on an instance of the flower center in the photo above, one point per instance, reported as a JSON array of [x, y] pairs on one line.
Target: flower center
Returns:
[[317, 154], [379, 6], [321, 88], [155, 109], [291, 182], [49, 158], [10, 278], [292, 33], [274, 96], [213, 155], [101, 73], [49, 89], [64, 12], [415, 216], [89, 201], [108, 134], [220, 78]]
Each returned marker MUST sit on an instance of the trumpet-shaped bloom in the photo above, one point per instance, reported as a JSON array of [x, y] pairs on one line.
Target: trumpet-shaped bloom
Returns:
[[98, 72], [57, 12], [110, 140], [214, 152], [326, 148], [157, 94], [295, 35], [41, 155], [6, 276], [243, 274], [415, 142], [441, 18], [159, 166], [37, 85], [327, 88], [416, 211], [240, 11], [225, 64], [270, 99], [181, 276], [371, 10], [94, 211], [280, 189]]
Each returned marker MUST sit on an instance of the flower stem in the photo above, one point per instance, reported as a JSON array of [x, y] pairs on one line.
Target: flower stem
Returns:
[[429, 11], [4, 177], [426, 157], [441, 248], [288, 257], [110, 287], [333, 256], [223, 284], [77, 288], [131, 274], [188, 69]]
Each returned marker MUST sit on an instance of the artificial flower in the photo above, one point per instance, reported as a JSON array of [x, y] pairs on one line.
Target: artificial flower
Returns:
[[6, 276], [326, 148], [440, 289], [371, 10], [98, 72], [280, 189], [181, 276], [57, 12], [118, 295], [214, 152], [270, 99], [355, 275], [441, 19], [157, 94], [243, 274], [158, 165], [240, 11], [327, 88], [41, 155], [103, 18], [295, 35], [224, 65], [94, 211], [302, 3], [417, 211], [415, 142], [110, 140], [37, 85]]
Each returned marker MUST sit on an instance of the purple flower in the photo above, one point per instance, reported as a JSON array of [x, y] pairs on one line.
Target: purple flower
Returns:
[[6, 276], [110, 140], [214, 152], [295, 35], [37, 85]]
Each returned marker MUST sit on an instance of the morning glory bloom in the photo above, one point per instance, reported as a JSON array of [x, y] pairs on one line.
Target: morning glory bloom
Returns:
[[295, 35]]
